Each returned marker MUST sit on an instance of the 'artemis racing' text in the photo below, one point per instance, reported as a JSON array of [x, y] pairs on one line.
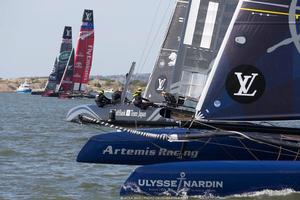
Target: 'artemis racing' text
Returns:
[[109, 150]]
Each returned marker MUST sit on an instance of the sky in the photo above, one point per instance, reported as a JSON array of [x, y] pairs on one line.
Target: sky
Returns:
[[125, 30]]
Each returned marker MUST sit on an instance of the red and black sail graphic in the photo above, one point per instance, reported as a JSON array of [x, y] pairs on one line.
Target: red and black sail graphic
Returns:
[[84, 52]]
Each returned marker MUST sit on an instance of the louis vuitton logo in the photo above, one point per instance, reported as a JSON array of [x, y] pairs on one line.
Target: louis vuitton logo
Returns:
[[246, 82], [88, 16], [68, 32], [161, 84]]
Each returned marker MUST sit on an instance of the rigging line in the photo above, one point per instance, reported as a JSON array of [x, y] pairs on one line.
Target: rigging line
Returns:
[[245, 147], [183, 146], [163, 137], [279, 153], [257, 140], [148, 36], [245, 136], [155, 37], [296, 158], [204, 124], [227, 153], [205, 144], [266, 122], [239, 147], [170, 138]]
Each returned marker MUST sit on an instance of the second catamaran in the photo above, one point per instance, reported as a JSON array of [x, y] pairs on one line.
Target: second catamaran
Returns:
[[177, 63], [52, 86], [83, 57]]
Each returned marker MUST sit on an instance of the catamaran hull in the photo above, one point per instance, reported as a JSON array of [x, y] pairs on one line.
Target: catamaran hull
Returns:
[[125, 148], [123, 114], [217, 178], [50, 94]]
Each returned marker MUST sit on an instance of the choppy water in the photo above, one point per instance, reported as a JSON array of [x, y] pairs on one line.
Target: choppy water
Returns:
[[38, 150]]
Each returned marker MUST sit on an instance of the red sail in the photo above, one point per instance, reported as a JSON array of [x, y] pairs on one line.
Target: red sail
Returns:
[[84, 52]]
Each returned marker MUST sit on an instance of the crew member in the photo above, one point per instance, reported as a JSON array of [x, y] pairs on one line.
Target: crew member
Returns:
[[169, 99], [141, 102], [101, 100], [116, 96]]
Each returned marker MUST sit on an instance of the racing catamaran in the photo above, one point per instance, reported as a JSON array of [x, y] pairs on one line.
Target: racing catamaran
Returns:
[[177, 62], [82, 59], [261, 83], [55, 77]]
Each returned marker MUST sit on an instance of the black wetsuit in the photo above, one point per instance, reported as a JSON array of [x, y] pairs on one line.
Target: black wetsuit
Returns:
[[101, 100], [142, 103], [116, 97], [170, 99]]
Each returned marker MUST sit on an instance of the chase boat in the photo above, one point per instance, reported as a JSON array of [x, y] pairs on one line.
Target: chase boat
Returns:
[[24, 88]]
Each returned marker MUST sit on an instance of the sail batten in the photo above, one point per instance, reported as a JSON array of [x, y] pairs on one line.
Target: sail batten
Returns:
[[256, 76]]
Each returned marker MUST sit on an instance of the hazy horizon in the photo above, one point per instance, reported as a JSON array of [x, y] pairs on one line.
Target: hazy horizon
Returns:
[[31, 34]]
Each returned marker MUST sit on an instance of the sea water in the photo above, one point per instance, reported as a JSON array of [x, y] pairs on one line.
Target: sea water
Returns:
[[38, 150]]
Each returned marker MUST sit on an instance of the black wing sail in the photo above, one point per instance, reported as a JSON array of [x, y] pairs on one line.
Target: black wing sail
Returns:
[[160, 79], [65, 52], [55, 76]]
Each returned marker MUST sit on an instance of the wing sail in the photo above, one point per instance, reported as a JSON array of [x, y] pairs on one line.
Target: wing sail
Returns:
[[257, 75]]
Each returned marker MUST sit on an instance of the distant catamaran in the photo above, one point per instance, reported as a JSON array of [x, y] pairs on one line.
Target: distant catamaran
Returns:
[[82, 59], [55, 76]]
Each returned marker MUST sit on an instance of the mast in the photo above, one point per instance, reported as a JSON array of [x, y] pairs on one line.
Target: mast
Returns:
[[160, 79], [84, 52], [66, 84], [127, 82]]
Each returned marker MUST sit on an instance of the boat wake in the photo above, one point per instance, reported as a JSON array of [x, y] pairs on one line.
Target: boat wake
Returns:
[[269, 194]]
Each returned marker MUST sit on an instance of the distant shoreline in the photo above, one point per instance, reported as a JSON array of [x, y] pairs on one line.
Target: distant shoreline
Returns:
[[95, 84]]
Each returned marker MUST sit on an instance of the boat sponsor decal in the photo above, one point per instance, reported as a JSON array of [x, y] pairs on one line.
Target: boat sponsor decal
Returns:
[[245, 84], [88, 16], [88, 63], [178, 187], [64, 56], [161, 84], [172, 58], [147, 151], [67, 34], [179, 183], [85, 34], [130, 113]]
